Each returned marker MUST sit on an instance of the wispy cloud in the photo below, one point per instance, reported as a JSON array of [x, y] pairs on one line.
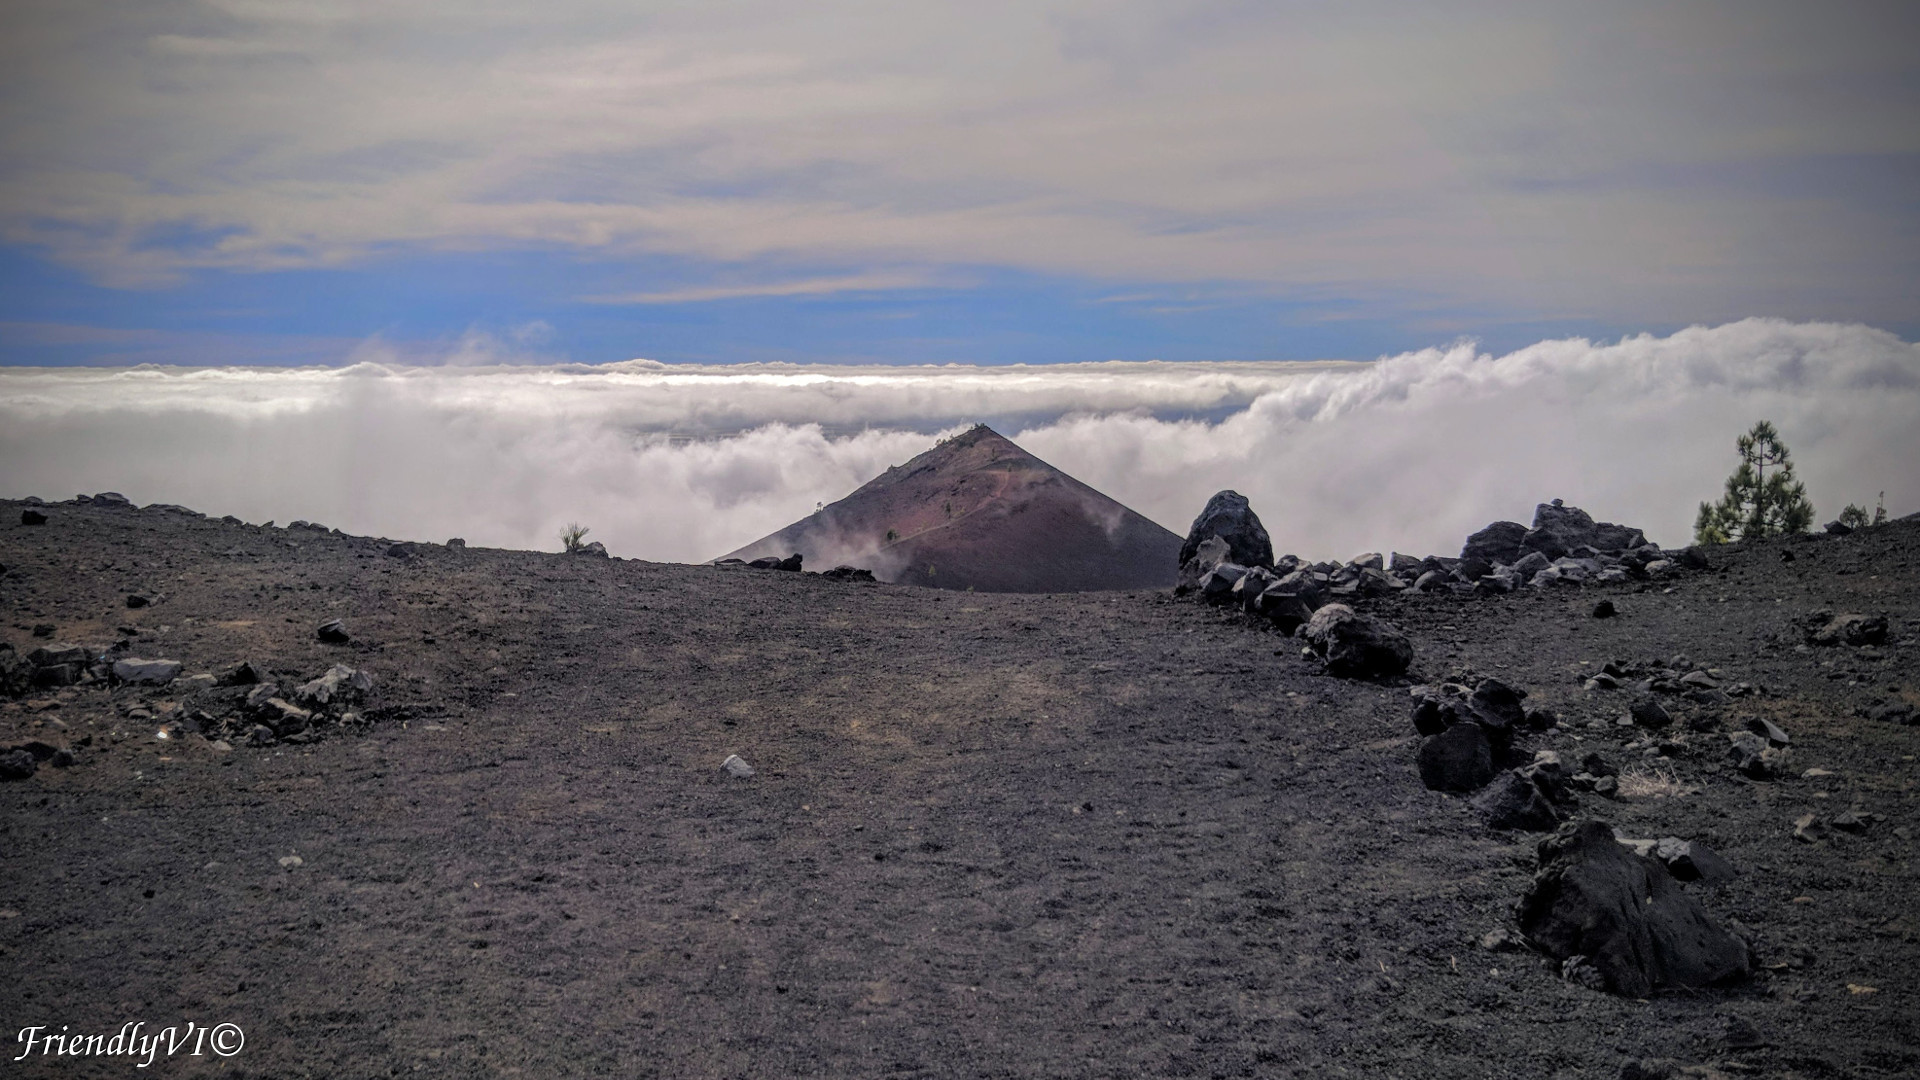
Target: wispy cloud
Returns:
[[816, 286], [1616, 162], [679, 462]]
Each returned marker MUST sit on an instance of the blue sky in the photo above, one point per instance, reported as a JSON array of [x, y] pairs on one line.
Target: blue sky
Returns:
[[320, 181]]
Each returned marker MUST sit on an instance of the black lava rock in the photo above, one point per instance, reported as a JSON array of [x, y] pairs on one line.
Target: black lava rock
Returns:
[[1357, 646], [1458, 759], [1594, 898], [1228, 516], [1514, 801]]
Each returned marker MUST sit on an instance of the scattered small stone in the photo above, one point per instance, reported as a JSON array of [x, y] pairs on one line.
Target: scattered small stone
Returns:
[[1501, 939], [1754, 757], [43, 630], [193, 684], [243, 674], [848, 573], [334, 632], [1817, 774], [1741, 1034], [1605, 610], [17, 765], [135, 600], [340, 685], [1850, 821], [1851, 630], [735, 765], [1810, 829], [291, 861], [1648, 713], [261, 735], [1769, 731], [32, 517], [134, 671], [1690, 860], [1603, 681]]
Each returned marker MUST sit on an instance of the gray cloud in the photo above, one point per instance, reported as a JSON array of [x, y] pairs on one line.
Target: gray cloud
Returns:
[[1643, 162], [683, 463]]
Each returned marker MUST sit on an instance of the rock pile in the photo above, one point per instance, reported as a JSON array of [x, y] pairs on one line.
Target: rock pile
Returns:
[[1227, 560], [245, 708], [1468, 746]]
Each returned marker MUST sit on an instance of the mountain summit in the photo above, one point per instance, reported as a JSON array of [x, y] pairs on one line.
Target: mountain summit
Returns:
[[977, 512]]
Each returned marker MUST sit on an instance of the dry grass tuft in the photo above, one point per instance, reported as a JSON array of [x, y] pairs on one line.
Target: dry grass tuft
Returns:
[[1652, 782]]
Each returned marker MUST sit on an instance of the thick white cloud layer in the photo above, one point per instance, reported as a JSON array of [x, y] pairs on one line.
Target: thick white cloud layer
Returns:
[[1410, 452]]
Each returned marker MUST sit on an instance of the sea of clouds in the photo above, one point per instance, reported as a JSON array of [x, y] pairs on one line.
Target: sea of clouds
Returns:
[[682, 463]]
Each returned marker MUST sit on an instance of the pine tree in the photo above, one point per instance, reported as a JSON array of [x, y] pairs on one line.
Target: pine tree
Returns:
[[1762, 499]]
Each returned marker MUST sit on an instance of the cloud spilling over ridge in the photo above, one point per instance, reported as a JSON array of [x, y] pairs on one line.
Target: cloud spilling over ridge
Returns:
[[682, 463]]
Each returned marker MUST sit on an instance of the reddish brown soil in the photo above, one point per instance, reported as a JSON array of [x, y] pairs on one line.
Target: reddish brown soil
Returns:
[[1102, 835]]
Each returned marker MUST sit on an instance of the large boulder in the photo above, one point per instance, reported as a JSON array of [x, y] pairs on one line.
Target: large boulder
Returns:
[[1228, 517], [1626, 916], [1357, 646], [1497, 543]]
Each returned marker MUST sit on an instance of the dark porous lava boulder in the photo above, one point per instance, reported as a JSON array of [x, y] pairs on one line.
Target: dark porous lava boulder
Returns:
[[1357, 646], [1228, 517], [1497, 543], [1626, 915]]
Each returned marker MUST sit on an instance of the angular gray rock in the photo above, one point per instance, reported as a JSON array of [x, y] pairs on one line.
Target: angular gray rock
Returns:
[[1853, 630], [1210, 553], [1648, 713], [341, 685], [1691, 860], [1216, 585], [134, 671], [333, 632], [1626, 915], [737, 766], [1228, 516], [1357, 646], [1497, 543], [1755, 758]]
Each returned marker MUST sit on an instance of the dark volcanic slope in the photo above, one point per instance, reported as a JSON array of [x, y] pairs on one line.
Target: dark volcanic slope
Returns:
[[1093, 835], [978, 512]]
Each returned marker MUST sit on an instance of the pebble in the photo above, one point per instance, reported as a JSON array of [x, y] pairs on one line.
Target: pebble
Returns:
[[735, 765]]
